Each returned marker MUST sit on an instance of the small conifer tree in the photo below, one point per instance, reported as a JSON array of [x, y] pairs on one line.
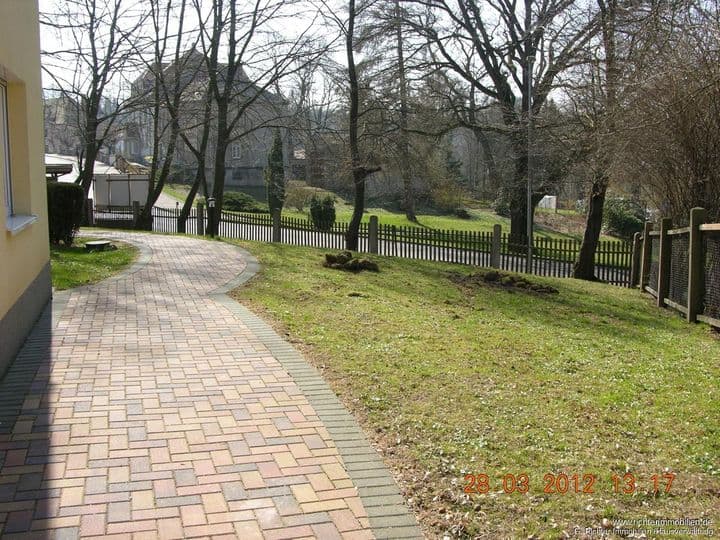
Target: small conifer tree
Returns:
[[275, 175]]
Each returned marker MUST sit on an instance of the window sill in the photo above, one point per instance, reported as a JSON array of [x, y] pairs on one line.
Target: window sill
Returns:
[[18, 222]]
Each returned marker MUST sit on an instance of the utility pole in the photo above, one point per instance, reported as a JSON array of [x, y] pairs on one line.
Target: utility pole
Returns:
[[529, 55]]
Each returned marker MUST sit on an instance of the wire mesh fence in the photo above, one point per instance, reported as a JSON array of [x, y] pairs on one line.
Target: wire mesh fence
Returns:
[[686, 276], [653, 273], [711, 292], [679, 267]]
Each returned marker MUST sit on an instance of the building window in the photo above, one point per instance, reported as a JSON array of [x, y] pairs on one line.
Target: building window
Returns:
[[235, 151], [5, 148]]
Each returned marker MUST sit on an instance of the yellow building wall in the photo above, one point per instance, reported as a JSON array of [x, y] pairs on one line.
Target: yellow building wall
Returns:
[[24, 256]]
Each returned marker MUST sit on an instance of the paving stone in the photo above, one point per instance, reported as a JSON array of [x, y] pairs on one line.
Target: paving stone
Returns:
[[152, 405]]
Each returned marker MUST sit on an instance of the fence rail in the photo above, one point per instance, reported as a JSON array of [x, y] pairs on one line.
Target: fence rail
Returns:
[[551, 257], [681, 267]]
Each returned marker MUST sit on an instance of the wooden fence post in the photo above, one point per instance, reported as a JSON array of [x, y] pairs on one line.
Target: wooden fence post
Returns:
[[373, 234], [276, 231], [201, 219], [635, 261], [645, 255], [136, 212], [696, 264], [664, 262], [495, 246]]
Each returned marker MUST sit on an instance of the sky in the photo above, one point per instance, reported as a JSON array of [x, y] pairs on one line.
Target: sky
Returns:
[[65, 67]]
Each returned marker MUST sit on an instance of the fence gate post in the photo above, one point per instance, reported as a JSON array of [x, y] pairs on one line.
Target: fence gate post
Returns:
[[201, 219], [495, 247], [89, 212], [276, 231], [635, 261], [696, 264], [373, 234], [136, 213], [664, 262], [645, 255]]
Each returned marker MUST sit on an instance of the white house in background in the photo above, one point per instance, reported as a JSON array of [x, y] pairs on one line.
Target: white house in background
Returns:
[[548, 201], [110, 187], [119, 190]]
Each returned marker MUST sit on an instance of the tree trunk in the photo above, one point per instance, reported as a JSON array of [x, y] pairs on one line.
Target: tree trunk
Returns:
[[88, 169], [517, 195], [585, 265], [187, 205], [359, 173], [92, 148], [493, 174], [352, 236]]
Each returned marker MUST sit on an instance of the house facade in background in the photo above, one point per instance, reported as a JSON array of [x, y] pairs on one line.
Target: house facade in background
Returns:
[[62, 119], [25, 286], [246, 157]]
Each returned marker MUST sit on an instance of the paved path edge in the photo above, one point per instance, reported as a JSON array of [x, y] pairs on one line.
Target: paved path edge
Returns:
[[59, 299], [387, 511]]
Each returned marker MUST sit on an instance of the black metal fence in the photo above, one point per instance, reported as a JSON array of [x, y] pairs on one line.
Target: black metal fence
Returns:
[[551, 257]]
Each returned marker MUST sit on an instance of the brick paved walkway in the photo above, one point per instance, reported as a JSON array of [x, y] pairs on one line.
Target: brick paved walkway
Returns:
[[153, 406]]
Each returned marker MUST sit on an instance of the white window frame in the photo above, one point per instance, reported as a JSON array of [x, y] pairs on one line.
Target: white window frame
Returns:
[[5, 148], [235, 151]]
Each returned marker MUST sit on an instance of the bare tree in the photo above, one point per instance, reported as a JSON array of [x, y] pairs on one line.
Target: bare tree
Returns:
[[360, 172], [671, 123], [510, 52], [168, 87], [403, 125], [98, 39], [257, 59], [604, 126]]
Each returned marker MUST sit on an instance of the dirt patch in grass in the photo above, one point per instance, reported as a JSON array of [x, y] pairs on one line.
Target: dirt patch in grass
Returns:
[[496, 278], [345, 260]]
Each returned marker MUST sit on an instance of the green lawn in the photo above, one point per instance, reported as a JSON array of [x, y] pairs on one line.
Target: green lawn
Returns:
[[482, 219], [177, 191], [453, 380], [74, 266]]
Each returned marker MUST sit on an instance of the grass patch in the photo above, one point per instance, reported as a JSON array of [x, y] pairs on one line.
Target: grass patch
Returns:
[[74, 266], [565, 224], [453, 380], [176, 191]]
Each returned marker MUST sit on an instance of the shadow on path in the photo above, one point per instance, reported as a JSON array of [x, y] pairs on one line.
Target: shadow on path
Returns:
[[25, 432]]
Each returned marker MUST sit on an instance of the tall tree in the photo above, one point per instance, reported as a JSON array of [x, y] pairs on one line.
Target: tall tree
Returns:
[[671, 121], [359, 170], [512, 53], [404, 142], [604, 126], [254, 66], [166, 96]]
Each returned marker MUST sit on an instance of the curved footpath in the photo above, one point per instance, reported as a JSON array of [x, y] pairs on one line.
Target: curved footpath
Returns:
[[151, 405]]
